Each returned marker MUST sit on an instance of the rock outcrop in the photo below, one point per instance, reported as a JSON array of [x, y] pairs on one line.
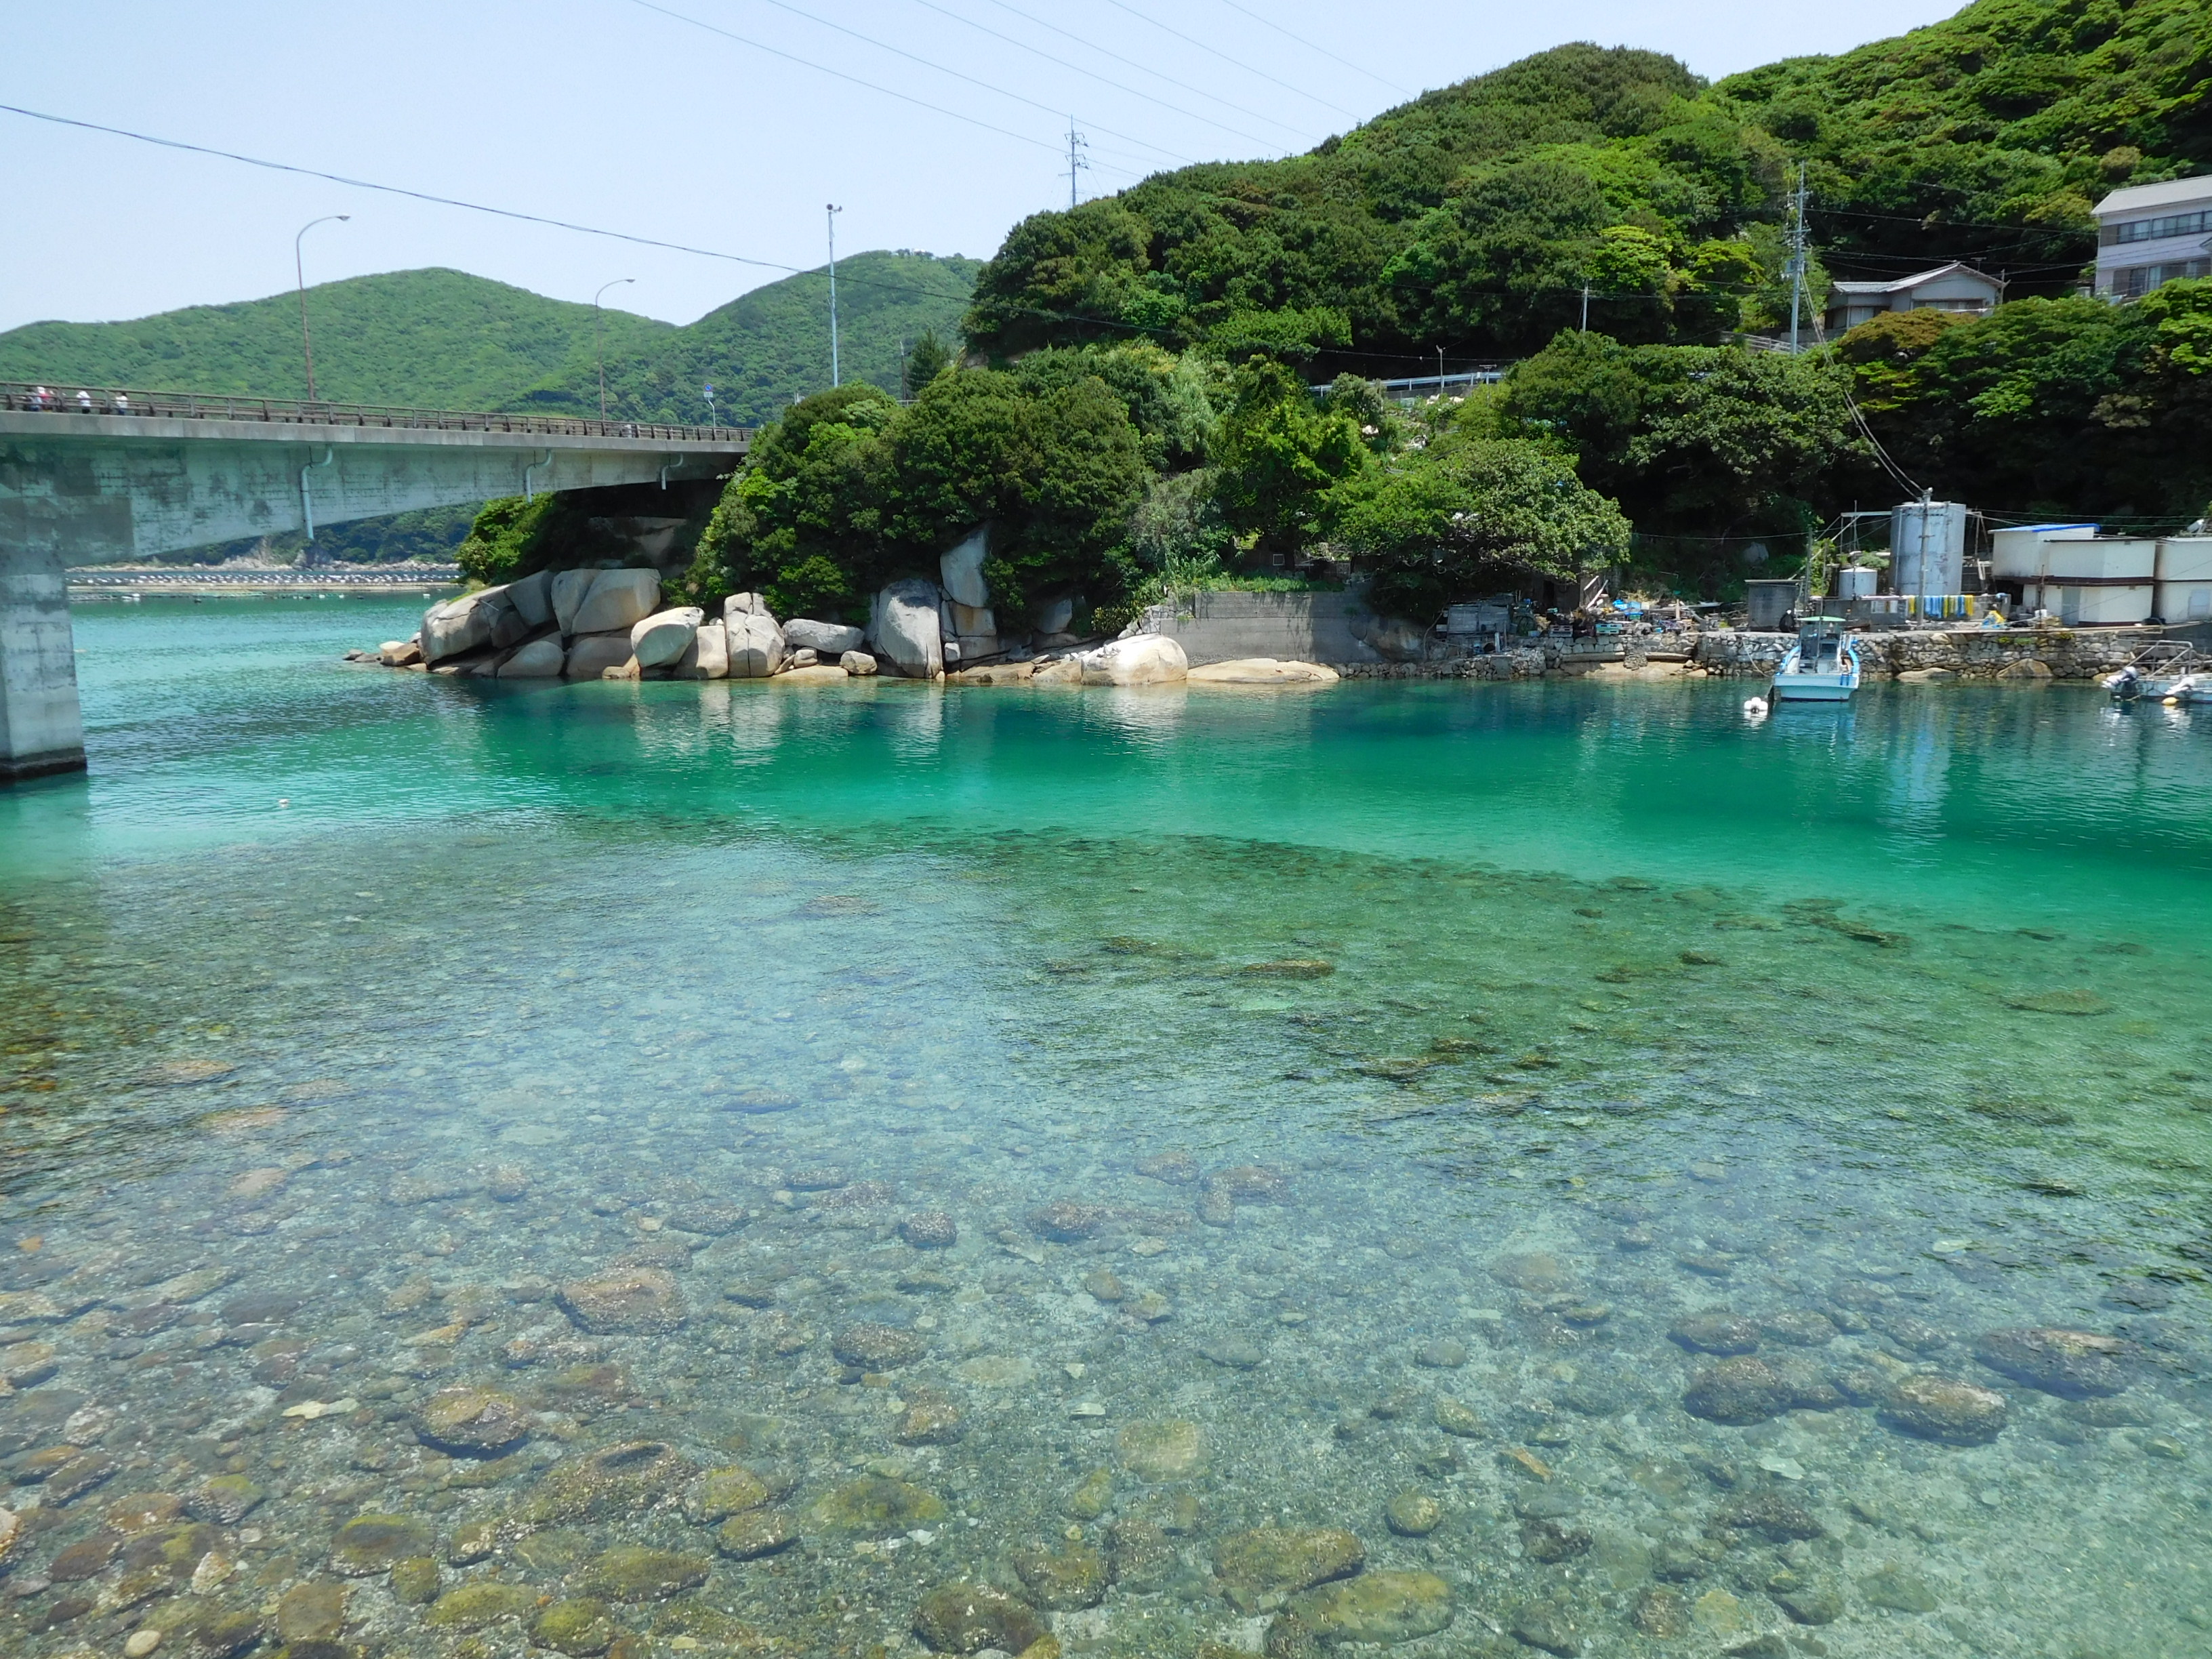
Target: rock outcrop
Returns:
[[709, 657], [830, 639], [757, 646], [1262, 671], [617, 598], [661, 639], [962, 569], [540, 659], [1143, 660], [904, 627], [590, 655]]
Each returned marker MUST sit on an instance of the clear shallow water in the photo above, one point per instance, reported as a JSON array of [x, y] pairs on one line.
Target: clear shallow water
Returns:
[[1881, 1028]]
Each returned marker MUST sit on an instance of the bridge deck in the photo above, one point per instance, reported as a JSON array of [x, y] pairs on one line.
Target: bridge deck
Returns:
[[117, 412]]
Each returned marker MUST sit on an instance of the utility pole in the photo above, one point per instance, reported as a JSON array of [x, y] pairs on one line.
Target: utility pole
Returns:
[[299, 275], [1076, 165], [833, 211], [1797, 257], [1585, 307], [1440, 371], [598, 344]]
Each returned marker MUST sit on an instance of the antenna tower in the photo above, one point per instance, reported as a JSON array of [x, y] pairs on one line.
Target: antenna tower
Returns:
[[1077, 144]]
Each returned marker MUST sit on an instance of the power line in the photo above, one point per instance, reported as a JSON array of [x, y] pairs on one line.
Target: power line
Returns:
[[1103, 80], [1121, 5], [1343, 62], [792, 58], [913, 57]]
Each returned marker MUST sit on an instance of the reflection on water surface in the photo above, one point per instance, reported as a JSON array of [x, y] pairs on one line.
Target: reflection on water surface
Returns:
[[1484, 1170]]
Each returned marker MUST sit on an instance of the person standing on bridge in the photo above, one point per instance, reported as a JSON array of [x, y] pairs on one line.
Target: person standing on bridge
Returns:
[[83, 403], [122, 403], [38, 396]]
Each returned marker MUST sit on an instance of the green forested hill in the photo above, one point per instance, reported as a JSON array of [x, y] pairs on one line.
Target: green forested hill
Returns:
[[1472, 218], [444, 339]]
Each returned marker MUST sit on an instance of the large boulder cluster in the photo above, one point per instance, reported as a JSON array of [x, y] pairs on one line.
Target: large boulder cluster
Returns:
[[612, 624]]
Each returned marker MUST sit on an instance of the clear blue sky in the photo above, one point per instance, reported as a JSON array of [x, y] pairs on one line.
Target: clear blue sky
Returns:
[[613, 114]]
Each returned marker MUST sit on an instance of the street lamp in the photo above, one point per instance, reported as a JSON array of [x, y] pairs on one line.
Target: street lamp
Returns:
[[834, 211], [597, 342], [299, 275]]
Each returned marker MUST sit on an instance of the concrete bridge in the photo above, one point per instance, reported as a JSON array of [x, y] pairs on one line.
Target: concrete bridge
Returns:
[[117, 475]]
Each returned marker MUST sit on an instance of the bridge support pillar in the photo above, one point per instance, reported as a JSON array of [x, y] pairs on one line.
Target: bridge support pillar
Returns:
[[41, 731]]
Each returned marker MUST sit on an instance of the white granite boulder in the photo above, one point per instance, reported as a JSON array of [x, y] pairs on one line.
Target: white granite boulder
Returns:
[[709, 658], [757, 646], [665, 636], [540, 659], [1392, 638], [593, 654], [619, 599], [453, 626], [830, 639], [962, 568], [567, 591], [1262, 671], [857, 662], [533, 598], [1143, 660], [1055, 616], [904, 627]]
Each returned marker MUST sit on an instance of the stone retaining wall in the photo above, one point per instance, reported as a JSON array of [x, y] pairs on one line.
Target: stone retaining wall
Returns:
[[1969, 652]]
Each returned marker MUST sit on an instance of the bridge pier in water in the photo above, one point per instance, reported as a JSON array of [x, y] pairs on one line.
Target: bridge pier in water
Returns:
[[175, 473]]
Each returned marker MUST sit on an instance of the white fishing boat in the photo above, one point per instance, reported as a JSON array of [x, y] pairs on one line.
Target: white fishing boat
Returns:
[[2167, 671], [1823, 667]]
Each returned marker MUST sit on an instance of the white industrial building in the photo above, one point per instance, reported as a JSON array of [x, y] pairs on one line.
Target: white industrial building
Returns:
[[2147, 234], [2086, 579]]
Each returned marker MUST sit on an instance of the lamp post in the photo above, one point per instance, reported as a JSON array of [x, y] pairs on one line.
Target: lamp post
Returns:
[[299, 275], [834, 211], [598, 346]]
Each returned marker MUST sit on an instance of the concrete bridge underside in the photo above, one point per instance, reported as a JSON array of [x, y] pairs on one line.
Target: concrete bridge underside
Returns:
[[100, 489]]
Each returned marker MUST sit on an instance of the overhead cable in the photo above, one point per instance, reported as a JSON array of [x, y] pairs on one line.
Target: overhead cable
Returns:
[[913, 57], [888, 92], [1345, 63], [1049, 58], [1122, 5]]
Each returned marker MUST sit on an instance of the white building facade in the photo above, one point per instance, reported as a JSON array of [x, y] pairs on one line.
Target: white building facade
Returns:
[[1955, 287], [2147, 234]]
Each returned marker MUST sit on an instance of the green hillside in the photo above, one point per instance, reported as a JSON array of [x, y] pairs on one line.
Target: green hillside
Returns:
[[447, 340], [1472, 218]]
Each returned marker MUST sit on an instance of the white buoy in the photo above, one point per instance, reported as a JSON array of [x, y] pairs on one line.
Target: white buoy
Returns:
[[1754, 707]]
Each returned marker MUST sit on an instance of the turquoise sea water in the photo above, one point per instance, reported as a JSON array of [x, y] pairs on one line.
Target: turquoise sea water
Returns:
[[1607, 1118]]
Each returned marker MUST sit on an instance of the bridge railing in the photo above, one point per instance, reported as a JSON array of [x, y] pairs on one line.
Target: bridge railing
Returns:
[[73, 399]]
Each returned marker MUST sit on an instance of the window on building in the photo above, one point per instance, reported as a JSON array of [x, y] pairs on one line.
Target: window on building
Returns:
[[2133, 285], [2173, 224]]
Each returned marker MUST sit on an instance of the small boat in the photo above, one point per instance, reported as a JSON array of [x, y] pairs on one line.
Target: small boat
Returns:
[[2170, 671], [1823, 667]]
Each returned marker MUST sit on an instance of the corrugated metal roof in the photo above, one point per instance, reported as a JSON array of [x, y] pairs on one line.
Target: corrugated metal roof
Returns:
[[1914, 281]]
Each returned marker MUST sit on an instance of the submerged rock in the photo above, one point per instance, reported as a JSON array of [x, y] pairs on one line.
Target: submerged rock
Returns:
[[472, 1606], [472, 1422], [372, 1543], [966, 1618], [2072, 1363], [1259, 1567], [615, 1480], [1377, 1606], [626, 1301], [580, 1628], [1945, 1408], [1716, 1332], [932, 1230], [876, 1506], [637, 1572], [877, 1347], [1062, 1582], [1161, 1451], [756, 1533]]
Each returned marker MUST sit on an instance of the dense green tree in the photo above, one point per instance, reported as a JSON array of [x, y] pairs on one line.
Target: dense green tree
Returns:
[[1279, 455], [801, 522], [1464, 517], [1690, 439], [925, 358], [1054, 472]]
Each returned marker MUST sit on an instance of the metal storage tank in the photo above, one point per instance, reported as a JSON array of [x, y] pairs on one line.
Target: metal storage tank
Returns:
[[1928, 548], [2185, 579], [1852, 583]]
